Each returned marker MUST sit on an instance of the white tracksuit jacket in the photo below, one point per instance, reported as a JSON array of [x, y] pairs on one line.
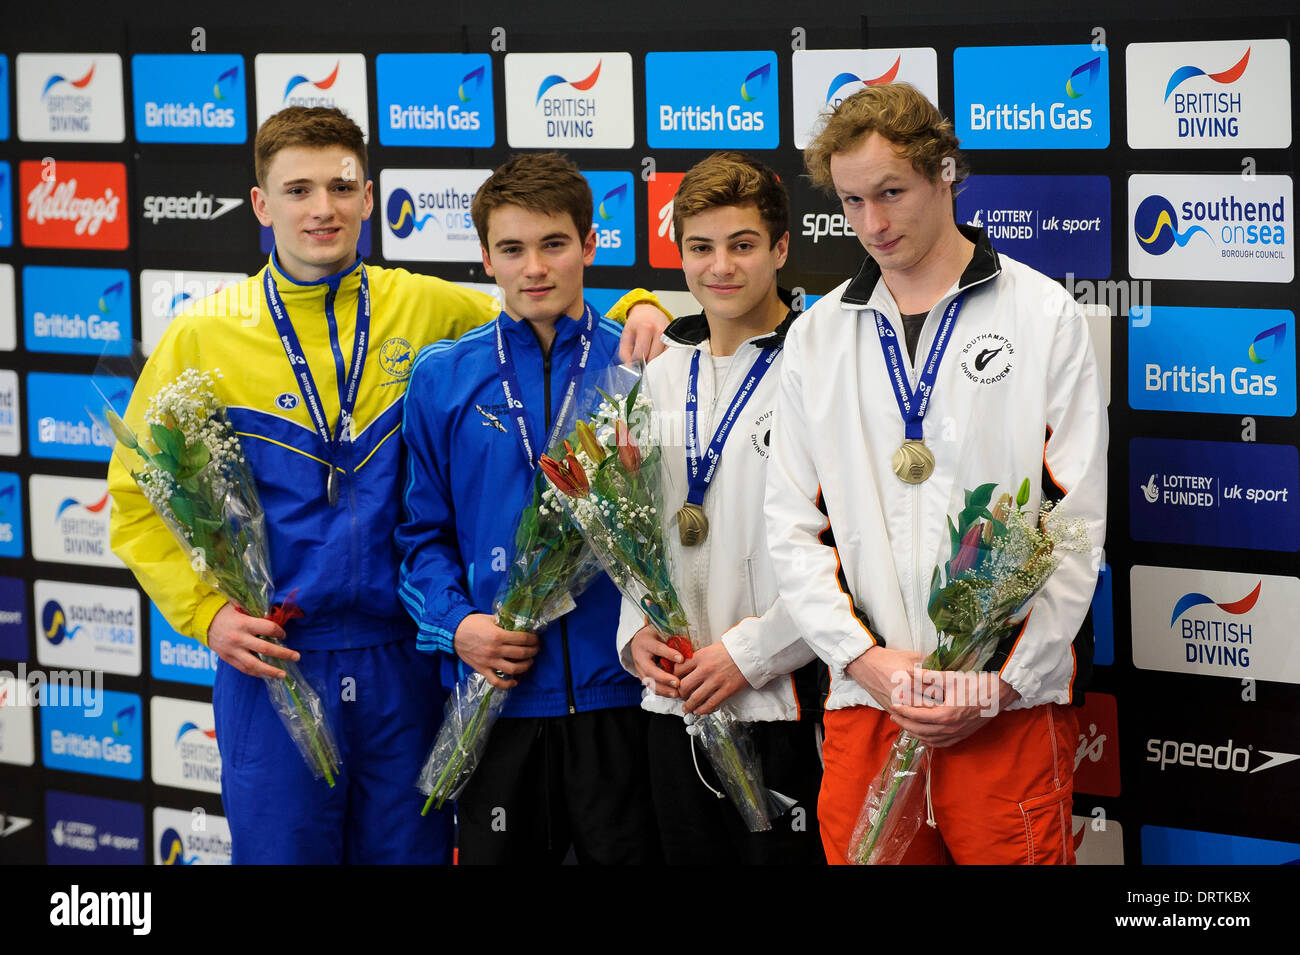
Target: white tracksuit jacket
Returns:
[[1019, 367], [727, 583]]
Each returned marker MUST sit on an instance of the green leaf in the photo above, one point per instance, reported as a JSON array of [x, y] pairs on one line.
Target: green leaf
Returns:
[[169, 442], [197, 457], [981, 496], [165, 462], [631, 399], [1022, 495], [183, 508]]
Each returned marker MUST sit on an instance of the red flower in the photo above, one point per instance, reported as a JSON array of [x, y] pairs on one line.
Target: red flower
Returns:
[[568, 477], [682, 646], [629, 455], [968, 552]]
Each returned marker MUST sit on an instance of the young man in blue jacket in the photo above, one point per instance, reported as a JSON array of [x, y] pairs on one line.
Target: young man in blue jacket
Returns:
[[566, 764]]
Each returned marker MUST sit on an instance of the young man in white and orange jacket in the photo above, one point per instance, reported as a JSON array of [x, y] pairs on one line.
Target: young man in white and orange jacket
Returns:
[[854, 543]]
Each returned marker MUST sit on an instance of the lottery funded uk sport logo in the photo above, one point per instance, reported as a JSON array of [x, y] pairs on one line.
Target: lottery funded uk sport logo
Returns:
[[1213, 493], [435, 99], [614, 219], [710, 100]]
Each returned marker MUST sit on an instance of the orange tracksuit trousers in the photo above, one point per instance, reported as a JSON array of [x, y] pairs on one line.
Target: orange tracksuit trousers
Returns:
[[1002, 796]]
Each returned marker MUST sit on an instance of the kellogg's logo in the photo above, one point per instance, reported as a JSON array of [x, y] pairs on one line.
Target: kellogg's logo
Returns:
[[73, 205]]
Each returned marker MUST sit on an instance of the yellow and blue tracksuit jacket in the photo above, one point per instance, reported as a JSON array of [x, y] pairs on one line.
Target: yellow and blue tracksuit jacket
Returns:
[[340, 561]]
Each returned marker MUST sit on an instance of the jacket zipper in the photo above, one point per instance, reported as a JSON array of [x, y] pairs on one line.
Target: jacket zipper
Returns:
[[355, 537], [564, 627]]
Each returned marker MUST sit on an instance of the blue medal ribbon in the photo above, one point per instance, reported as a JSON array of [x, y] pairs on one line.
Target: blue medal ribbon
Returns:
[[699, 477], [515, 396], [302, 371], [913, 410]]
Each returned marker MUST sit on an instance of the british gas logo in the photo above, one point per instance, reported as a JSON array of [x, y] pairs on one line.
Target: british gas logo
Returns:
[[709, 100], [842, 80], [11, 517], [1266, 344], [1032, 97], [402, 219], [77, 310], [1156, 225], [435, 99], [189, 98], [1198, 359], [615, 217], [54, 623], [99, 735]]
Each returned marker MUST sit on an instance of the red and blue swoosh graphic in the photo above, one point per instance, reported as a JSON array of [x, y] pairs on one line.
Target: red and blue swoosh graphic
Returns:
[[80, 84], [324, 84], [555, 79], [1185, 73], [1237, 607]]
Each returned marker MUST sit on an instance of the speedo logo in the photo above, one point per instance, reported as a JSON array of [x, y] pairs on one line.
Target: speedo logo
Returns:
[[1228, 757], [197, 206]]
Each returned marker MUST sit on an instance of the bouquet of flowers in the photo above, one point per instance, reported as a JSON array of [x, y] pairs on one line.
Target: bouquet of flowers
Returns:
[[613, 489], [552, 565], [1001, 558], [194, 474]]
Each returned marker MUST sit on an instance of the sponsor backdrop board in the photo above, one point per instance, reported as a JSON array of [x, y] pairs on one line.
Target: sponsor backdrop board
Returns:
[[124, 202]]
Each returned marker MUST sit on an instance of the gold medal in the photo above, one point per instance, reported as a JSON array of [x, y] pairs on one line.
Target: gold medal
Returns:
[[913, 462], [692, 525]]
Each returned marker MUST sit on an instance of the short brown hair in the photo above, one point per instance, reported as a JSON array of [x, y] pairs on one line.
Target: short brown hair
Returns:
[[539, 182], [900, 113], [314, 126], [732, 179]]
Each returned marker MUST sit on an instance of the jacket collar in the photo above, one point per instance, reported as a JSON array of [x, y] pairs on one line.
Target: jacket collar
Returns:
[[692, 331], [287, 284], [984, 265], [566, 328]]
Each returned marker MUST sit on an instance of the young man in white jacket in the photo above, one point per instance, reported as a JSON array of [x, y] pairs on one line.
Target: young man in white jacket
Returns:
[[718, 378], [871, 449]]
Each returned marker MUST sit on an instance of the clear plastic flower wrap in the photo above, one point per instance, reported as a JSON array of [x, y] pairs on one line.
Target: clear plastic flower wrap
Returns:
[[999, 557], [552, 565], [192, 470], [613, 487]]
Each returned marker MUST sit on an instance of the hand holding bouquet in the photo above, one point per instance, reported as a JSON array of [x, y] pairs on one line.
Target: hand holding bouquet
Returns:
[[194, 474], [613, 489], [1000, 559], [552, 565]]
